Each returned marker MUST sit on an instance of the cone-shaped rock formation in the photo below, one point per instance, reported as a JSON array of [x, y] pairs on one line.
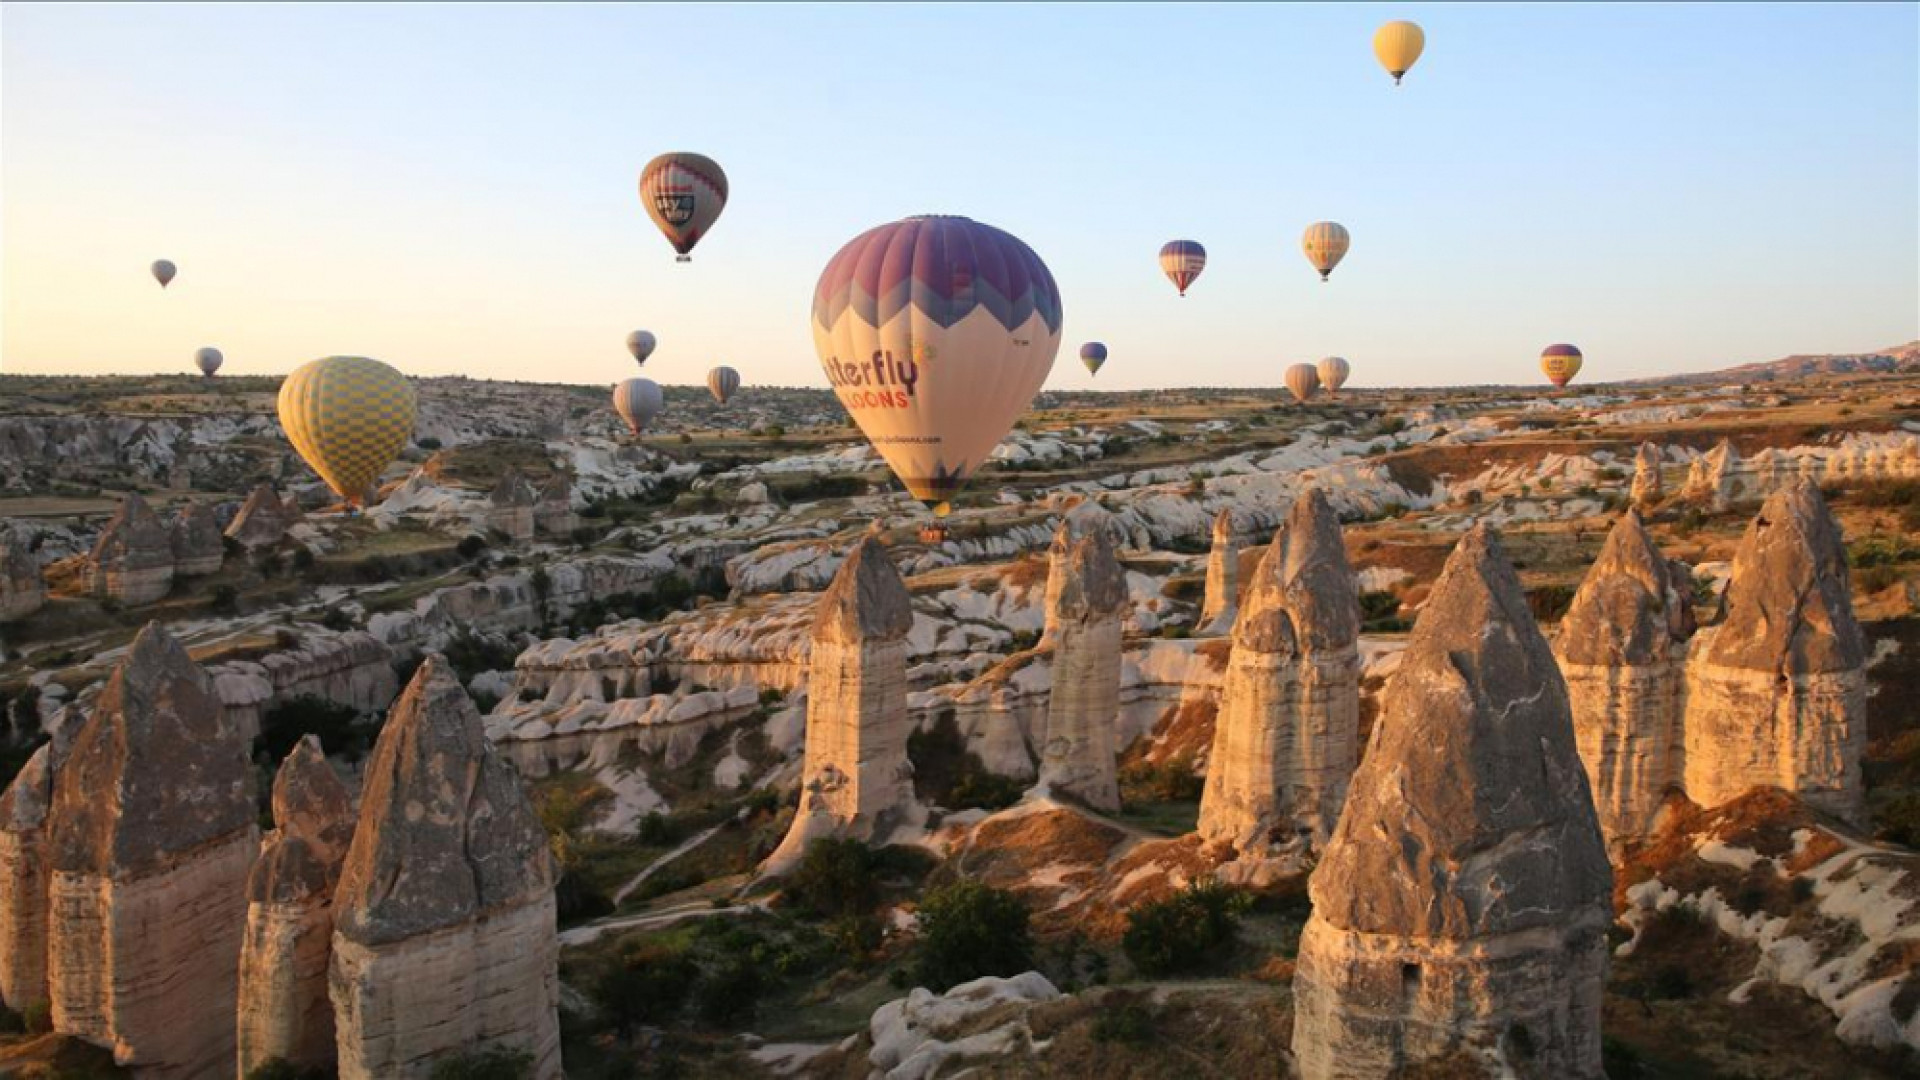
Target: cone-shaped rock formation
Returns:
[[262, 521], [510, 508], [23, 882], [132, 561], [197, 545]]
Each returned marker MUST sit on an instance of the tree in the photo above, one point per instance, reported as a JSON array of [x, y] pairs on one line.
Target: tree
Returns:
[[1184, 931], [970, 930]]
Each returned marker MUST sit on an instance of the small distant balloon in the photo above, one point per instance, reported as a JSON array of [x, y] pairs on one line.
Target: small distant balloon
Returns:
[[1560, 363], [722, 382], [1303, 382], [1182, 261], [641, 344], [1325, 243], [1333, 372], [348, 416], [684, 194], [208, 360], [1093, 354], [637, 401], [163, 271], [1398, 44]]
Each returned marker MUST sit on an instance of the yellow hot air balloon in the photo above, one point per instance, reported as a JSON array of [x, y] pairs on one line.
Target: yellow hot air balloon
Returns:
[[348, 416], [1325, 243], [1560, 363], [1303, 380], [1398, 44]]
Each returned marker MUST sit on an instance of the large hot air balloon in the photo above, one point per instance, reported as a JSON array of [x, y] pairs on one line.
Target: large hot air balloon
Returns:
[[208, 360], [1182, 261], [936, 332], [347, 416], [637, 401], [683, 193], [1333, 372], [722, 382], [641, 344], [1094, 355], [163, 271], [1303, 381], [1325, 243], [1560, 363], [1398, 44]]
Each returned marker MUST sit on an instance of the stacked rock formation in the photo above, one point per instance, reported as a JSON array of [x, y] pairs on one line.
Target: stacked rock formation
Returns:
[[1287, 737], [263, 520], [23, 589], [443, 937], [1721, 477], [1220, 605], [857, 781], [1646, 475], [132, 562], [1777, 692], [284, 1011], [197, 545], [23, 882], [510, 508], [1460, 910], [1623, 650], [553, 514], [151, 837], [1084, 619]]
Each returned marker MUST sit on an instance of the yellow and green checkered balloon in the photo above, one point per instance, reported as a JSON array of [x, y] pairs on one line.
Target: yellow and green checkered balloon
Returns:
[[348, 416]]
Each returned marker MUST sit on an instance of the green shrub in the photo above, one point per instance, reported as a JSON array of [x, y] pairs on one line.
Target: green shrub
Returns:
[[338, 726], [1126, 1022], [646, 987], [836, 878], [1168, 781], [471, 545], [1899, 820], [1186, 931], [970, 930], [730, 992]]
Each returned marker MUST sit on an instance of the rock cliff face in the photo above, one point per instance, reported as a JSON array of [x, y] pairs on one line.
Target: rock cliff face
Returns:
[[23, 882], [263, 520], [553, 515], [444, 915], [1287, 736], [1622, 649], [1220, 606], [1084, 618], [196, 542], [1776, 693], [351, 668], [132, 562], [152, 827], [510, 508], [1646, 475], [283, 1007], [857, 781], [23, 589], [1461, 908]]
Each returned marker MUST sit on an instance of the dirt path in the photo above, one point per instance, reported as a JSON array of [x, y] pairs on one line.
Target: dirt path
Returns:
[[627, 889]]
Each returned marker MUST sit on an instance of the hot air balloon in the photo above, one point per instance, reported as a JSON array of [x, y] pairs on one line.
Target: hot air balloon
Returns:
[[347, 416], [1560, 363], [1333, 372], [1094, 355], [683, 193], [208, 360], [641, 344], [935, 333], [163, 271], [722, 382], [1182, 261], [1398, 44], [1325, 243], [1303, 381], [637, 401]]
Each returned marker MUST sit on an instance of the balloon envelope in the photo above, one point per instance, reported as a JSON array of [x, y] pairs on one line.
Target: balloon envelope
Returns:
[[1333, 373], [1182, 261], [683, 194], [936, 332], [1093, 354], [1303, 381], [722, 382], [1560, 363], [163, 272], [1398, 44], [208, 360], [641, 344], [637, 401], [1325, 243], [348, 416]]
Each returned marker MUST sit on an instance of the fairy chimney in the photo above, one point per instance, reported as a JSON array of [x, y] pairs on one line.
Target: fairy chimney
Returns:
[[1084, 621]]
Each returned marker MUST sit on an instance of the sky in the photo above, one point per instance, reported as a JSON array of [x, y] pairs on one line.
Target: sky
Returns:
[[453, 189]]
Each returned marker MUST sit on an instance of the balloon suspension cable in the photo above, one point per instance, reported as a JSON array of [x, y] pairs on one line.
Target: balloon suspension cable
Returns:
[[683, 258]]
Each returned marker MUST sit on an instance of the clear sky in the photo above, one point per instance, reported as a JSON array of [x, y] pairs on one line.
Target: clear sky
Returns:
[[452, 189]]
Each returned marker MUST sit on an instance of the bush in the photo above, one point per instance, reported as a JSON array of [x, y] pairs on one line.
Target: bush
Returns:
[[730, 992], [946, 773], [970, 930], [337, 725], [1127, 1022], [1899, 820], [836, 878], [1169, 781], [336, 620], [302, 560], [646, 987], [490, 1064], [1380, 612], [471, 545], [1185, 931], [279, 1068]]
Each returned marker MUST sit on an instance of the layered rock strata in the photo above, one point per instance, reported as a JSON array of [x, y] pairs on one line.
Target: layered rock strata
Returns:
[[198, 548], [23, 882], [132, 562], [1084, 619], [1777, 691], [1460, 910], [443, 939]]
